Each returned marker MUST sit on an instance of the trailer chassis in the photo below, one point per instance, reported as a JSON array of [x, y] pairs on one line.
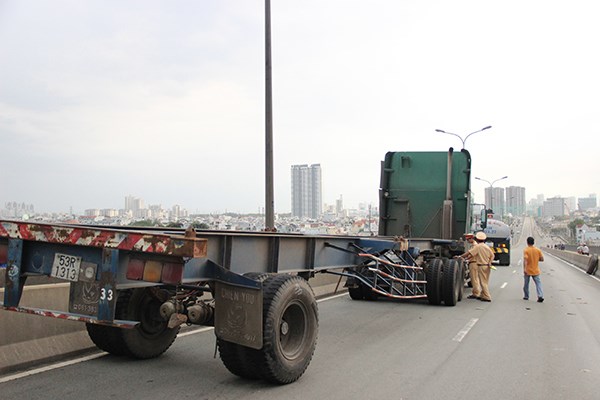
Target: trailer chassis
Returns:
[[135, 288]]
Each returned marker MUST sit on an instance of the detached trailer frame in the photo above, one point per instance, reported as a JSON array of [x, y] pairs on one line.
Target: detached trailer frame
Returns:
[[134, 288]]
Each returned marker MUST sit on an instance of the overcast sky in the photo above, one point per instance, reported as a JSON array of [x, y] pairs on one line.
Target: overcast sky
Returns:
[[164, 100]]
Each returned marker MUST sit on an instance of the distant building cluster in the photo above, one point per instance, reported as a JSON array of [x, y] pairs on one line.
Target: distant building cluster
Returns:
[[12, 209], [135, 209], [559, 206], [506, 201]]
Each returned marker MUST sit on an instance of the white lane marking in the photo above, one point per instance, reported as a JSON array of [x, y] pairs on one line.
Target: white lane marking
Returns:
[[102, 354], [51, 367], [463, 332], [335, 296], [574, 266], [503, 285], [188, 333]]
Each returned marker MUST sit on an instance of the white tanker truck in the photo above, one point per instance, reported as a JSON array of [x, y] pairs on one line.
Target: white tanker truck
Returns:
[[499, 235]]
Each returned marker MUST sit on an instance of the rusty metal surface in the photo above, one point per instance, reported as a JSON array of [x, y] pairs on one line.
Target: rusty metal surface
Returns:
[[107, 238], [70, 316]]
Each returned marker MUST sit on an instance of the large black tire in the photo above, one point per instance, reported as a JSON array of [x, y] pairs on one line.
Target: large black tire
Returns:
[[151, 337], [461, 279], [368, 293], [434, 281], [362, 291], [356, 293], [238, 359], [290, 329], [241, 360], [592, 264], [450, 282], [107, 338]]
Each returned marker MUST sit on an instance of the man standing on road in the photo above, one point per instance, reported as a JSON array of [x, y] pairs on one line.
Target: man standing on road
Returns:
[[475, 288], [531, 269], [480, 258]]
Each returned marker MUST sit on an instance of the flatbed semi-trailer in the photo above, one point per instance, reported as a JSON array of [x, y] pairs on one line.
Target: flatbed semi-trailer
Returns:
[[134, 288]]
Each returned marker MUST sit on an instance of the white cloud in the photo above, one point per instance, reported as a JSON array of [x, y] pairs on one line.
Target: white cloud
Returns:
[[165, 101]]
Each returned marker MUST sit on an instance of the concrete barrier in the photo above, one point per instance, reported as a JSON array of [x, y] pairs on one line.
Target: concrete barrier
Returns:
[[574, 258], [28, 340]]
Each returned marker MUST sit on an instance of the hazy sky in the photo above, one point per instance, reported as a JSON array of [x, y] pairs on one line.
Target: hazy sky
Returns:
[[164, 100]]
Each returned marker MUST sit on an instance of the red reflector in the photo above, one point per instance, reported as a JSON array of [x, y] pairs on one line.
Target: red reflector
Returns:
[[135, 269], [3, 254], [172, 273]]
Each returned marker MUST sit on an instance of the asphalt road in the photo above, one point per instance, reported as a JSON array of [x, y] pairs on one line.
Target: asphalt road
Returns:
[[506, 349]]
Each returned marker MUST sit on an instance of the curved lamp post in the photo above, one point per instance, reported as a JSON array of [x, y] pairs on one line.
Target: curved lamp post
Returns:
[[491, 186], [458, 136]]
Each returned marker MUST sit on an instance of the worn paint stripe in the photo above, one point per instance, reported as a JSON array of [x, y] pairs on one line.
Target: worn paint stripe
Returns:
[[463, 332]]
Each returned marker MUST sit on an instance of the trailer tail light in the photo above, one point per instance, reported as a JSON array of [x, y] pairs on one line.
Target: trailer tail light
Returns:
[[3, 255], [172, 273], [154, 271], [135, 269]]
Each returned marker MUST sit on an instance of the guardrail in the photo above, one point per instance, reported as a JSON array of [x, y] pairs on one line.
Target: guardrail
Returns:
[[28, 340]]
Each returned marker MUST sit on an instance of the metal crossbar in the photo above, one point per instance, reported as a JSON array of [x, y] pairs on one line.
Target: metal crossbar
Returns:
[[389, 275]]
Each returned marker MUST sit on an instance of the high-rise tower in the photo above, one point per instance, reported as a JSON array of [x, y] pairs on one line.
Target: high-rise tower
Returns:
[[306, 191]]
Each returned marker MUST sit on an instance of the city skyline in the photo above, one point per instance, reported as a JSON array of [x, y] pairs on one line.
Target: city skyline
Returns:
[[573, 203], [169, 102]]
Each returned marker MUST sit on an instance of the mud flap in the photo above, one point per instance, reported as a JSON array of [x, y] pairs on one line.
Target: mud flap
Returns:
[[239, 315]]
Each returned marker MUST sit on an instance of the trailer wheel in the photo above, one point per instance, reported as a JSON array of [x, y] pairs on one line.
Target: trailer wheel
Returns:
[[238, 359], [107, 338], [110, 338], [151, 337], [434, 281], [241, 360], [461, 279], [362, 291], [290, 327], [450, 282], [356, 293]]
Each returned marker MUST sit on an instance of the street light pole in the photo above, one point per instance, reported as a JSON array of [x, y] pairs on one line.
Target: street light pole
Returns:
[[269, 191], [465, 139], [491, 187]]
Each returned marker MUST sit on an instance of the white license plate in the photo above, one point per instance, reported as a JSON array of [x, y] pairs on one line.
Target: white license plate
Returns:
[[66, 267]]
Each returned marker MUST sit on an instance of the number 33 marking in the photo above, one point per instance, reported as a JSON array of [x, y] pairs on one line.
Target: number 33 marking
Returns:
[[106, 294]]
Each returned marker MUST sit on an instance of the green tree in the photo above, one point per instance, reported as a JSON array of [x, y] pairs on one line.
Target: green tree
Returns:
[[200, 225], [145, 222], [573, 226]]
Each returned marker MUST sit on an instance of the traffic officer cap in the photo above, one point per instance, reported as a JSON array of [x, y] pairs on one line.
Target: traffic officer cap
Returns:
[[480, 236]]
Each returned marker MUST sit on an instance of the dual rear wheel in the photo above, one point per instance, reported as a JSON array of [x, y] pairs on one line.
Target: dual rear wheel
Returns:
[[445, 281]]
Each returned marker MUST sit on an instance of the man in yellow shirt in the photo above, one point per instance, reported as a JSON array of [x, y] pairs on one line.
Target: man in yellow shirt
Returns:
[[531, 269]]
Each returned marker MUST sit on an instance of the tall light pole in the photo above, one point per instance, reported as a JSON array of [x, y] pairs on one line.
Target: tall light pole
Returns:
[[269, 192], [491, 187], [465, 139]]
